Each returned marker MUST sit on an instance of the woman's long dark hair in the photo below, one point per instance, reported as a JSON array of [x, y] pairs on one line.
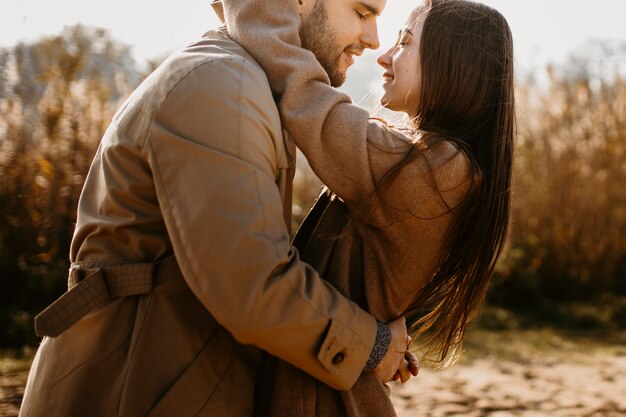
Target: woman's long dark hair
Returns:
[[467, 97]]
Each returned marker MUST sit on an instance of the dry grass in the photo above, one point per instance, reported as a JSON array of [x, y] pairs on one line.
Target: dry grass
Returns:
[[14, 366]]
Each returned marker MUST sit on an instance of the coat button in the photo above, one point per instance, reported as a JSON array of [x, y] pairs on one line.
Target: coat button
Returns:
[[338, 358]]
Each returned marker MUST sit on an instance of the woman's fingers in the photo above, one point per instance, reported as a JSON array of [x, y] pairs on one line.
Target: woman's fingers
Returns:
[[409, 366], [404, 371], [414, 362]]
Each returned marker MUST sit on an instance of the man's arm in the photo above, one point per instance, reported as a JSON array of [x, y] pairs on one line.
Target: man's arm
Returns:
[[212, 154]]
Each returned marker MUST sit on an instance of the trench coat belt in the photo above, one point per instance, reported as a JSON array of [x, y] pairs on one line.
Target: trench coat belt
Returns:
[[92, 287]]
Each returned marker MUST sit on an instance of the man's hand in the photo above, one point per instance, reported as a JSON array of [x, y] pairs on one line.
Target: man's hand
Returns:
[[394, 357]]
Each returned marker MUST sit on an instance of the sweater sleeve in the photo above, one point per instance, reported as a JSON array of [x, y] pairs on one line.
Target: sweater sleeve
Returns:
[[347, 150]]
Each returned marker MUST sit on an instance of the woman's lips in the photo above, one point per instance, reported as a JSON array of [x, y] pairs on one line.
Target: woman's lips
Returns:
[[387, 77]]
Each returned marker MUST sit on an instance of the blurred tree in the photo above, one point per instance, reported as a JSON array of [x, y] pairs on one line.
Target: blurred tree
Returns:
[[569, 209], [57, 97]]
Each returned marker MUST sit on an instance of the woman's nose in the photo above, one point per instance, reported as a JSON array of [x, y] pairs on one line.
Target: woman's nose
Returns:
[[384, 60]]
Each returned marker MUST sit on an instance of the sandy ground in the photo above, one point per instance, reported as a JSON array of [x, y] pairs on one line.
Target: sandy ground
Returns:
[[595, 387], [525, 376], [11, 391]]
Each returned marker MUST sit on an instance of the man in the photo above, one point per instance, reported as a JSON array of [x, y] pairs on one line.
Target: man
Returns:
[[182, 269]]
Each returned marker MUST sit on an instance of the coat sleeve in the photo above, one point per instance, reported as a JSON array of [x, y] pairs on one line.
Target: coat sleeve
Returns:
[[349, 151], [212, 151]]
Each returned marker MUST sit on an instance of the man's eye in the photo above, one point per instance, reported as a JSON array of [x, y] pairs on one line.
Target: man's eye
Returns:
[[362, 15]]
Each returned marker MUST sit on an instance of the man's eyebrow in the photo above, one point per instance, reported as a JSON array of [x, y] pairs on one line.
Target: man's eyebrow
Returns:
[[373, 10]]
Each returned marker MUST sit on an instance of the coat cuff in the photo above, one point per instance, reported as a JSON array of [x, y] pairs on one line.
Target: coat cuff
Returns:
[[346, 349]]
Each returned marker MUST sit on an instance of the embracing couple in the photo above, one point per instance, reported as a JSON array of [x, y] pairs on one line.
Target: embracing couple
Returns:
[[186, 295]]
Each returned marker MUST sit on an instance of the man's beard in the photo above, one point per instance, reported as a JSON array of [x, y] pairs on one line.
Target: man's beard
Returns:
[[318, 37]]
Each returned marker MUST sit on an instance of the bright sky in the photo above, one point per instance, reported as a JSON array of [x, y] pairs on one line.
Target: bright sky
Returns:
[[544, 30]]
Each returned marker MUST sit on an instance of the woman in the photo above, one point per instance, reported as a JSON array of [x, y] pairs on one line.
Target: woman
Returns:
[[417, 216]]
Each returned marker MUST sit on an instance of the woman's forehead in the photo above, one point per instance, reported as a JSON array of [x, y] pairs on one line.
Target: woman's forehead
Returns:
[[417, 16]]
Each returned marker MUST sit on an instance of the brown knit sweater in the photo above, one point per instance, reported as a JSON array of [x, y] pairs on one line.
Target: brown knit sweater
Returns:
[[379, 249]]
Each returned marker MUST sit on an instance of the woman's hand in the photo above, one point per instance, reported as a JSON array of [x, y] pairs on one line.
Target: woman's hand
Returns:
[[398, 356], [409, 366]]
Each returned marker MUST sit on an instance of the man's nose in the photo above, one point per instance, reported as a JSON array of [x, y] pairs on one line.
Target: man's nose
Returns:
[[369, 37]]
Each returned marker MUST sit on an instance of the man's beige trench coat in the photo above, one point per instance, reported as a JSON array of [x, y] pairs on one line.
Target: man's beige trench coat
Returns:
[[182, 269]]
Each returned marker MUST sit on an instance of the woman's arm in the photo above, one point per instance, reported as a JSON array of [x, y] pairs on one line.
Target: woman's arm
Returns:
[[348, 151]]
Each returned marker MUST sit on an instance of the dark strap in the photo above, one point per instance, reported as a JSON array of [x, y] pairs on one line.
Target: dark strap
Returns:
[[264, 386], [93, 287], [311, 221]]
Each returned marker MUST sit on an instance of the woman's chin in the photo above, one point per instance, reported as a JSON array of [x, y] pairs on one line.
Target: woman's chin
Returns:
[[384, 101], [388, 104]]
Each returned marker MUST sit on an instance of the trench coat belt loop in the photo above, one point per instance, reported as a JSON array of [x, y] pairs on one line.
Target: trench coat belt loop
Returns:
[[90, 288]]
